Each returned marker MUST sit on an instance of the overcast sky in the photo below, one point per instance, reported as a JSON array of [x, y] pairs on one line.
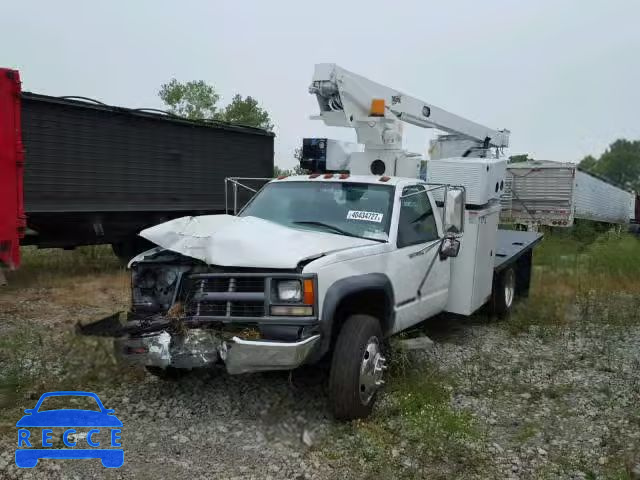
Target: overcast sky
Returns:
[[563, 76]]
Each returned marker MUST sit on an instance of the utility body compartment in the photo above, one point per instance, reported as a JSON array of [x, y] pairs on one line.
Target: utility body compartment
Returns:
[[472, 270], [483, 178]]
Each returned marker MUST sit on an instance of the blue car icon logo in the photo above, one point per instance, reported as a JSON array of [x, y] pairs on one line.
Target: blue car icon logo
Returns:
[[28, 452]]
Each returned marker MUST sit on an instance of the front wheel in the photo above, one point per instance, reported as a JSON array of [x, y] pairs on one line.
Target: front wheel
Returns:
[[504, 292], [356, 368]]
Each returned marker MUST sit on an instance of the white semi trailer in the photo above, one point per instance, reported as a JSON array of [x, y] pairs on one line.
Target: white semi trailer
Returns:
[[555, 194]]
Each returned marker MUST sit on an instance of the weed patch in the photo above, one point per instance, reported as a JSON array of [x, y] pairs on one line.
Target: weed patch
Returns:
[[578, 281], [414, 433], [34, 361], [48, 267]]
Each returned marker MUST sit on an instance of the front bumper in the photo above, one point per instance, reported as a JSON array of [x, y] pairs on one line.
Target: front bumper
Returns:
[[203, 348]]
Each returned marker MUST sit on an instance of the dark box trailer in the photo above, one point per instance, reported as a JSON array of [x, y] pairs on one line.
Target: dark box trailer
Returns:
[[97, 174]]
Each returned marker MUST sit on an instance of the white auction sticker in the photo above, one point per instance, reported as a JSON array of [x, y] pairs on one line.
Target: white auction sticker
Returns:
[[366, 216]]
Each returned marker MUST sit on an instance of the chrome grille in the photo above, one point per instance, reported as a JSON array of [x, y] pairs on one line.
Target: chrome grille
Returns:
[[247, 309], [233, 284], [225, 296]]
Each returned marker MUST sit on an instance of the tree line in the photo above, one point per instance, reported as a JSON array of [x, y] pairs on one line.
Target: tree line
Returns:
[[197, 100]]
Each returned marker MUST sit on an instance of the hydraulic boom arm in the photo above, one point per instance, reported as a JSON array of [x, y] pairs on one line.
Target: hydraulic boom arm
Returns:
[[375, 111]]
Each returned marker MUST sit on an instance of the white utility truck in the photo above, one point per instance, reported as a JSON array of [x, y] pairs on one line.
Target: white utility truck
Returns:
[[330, 264]]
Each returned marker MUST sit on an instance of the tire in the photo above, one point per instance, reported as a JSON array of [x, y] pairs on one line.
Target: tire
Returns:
[[359, 344], [169, 373], [504, 292]]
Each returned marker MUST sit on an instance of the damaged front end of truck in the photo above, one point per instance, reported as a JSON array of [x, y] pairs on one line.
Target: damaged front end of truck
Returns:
[[188, 314]]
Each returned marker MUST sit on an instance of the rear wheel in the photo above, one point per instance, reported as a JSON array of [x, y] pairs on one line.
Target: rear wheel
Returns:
[[504, 292], [356, 368]]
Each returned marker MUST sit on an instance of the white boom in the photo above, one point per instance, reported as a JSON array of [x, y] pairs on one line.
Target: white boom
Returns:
[[345, 100]]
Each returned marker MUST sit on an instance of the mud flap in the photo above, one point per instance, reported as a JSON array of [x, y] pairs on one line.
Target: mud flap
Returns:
[[111, 326]]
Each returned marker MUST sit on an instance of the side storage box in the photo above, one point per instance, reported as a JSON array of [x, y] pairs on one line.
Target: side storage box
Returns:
[[472, 269], [483, 178]]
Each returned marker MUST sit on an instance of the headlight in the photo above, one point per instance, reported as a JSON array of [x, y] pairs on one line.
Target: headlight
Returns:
[[144, 278], [289, 290]]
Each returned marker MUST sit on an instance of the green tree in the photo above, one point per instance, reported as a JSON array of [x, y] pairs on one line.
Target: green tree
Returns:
[[279, 171], [620, 163], [246, 111], [296, 170], [197, 100], [588, 163], [519, 158]]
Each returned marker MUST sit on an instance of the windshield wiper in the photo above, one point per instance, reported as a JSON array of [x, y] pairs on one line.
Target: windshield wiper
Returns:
[[336, 229]]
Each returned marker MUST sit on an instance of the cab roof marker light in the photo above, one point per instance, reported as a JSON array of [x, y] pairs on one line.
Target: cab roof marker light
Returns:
[[282, 177], [328, 175], [343, 176], [314, 175], [384, 179]]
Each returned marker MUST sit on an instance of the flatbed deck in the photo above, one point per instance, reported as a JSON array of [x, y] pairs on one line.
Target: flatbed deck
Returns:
[[512, 244]]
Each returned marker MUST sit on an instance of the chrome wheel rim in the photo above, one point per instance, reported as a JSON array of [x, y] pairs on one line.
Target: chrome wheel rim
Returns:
[[509, 288], [371, 369]]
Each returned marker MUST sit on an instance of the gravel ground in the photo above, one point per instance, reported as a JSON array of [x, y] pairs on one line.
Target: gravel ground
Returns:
[[206, 426], [559, 403], [550, 402]]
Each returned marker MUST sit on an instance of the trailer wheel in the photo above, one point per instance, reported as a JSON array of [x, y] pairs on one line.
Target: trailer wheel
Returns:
[[356, 368], [504, 292]]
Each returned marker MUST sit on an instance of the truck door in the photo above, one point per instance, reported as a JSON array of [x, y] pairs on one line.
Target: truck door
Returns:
[[420, 277]]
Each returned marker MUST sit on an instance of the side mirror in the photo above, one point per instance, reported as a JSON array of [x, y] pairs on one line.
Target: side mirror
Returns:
[[454, 210], [449, 248]]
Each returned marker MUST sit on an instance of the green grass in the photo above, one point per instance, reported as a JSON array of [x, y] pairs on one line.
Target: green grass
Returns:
[[611, 253], [37, 355], [46, 267], [527, 431], [39, 360], [578, 280]]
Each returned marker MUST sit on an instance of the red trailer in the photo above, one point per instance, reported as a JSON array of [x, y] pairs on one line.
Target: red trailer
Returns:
[[12, 217]]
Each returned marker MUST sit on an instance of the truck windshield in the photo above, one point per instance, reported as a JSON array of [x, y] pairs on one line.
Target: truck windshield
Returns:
[[352, 209]]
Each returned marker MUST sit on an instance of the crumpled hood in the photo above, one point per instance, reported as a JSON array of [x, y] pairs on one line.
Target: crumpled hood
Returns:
[[231, 241]]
